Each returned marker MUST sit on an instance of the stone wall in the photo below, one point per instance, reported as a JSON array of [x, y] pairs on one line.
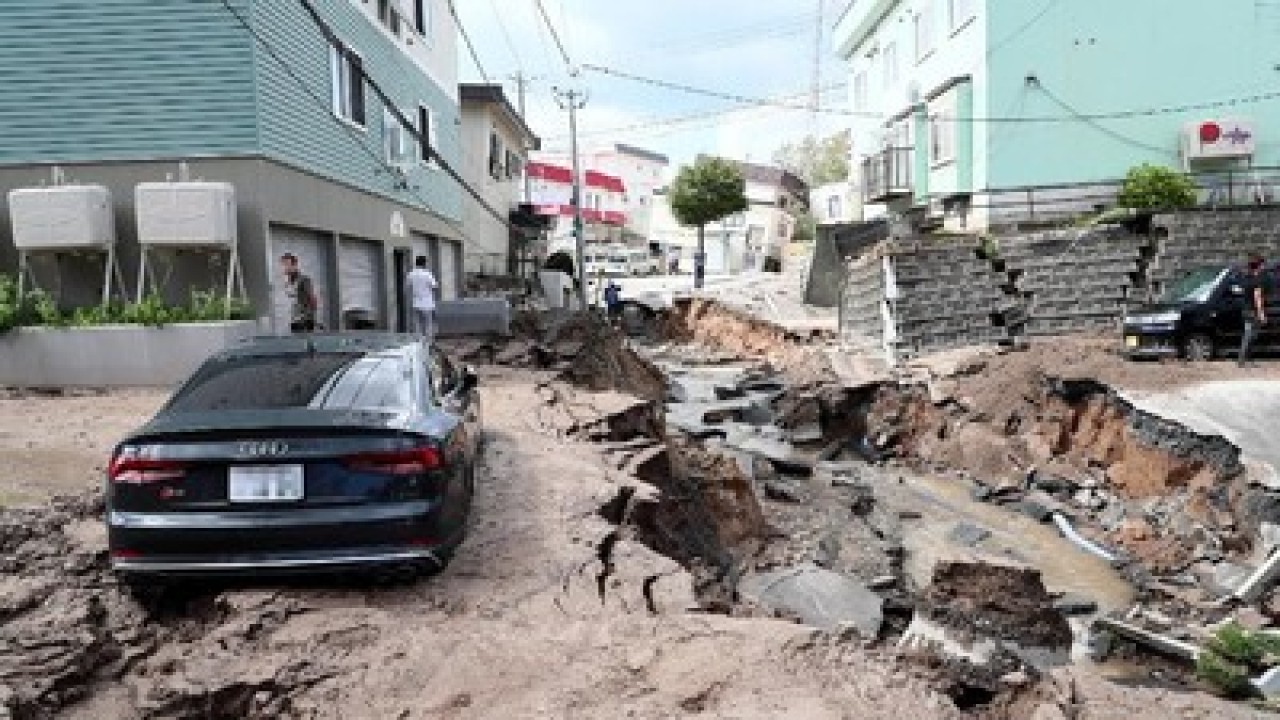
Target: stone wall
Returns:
[[1081, 280]]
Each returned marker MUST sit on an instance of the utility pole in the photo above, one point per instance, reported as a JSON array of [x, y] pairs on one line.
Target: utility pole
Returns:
[[815, 91], [574, 100], [522, 82]]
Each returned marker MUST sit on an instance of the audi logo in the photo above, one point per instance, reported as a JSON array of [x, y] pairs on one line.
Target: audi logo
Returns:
[[263, 448]]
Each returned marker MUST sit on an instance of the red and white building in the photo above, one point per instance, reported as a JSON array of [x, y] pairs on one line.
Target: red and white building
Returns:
[[603, 203]]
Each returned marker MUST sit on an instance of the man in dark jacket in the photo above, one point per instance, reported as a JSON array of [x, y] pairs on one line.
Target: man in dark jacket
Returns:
[[1253, 306]]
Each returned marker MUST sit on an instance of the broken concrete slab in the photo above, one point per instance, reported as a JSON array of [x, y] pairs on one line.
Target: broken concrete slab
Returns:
[[1071, 605], [1269, 683], [819, 597], [783, 491], [1163, 643], [968, 535]]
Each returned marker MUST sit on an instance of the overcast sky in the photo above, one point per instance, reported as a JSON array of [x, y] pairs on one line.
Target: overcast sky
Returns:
[[742, 47]]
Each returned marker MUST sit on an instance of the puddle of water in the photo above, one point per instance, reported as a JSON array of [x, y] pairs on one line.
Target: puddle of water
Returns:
[[1064, 567]]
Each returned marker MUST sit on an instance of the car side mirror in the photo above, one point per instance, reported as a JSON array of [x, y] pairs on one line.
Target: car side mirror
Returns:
[[1237, 290]]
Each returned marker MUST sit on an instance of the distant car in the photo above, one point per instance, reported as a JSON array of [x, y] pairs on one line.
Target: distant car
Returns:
[[1199, 317], [300, 454]]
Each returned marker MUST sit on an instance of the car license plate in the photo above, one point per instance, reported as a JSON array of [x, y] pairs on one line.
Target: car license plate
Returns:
[[1131, 341], [265, 483]]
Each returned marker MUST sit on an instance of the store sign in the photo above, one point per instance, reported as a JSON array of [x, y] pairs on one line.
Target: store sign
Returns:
[[1221, 138]]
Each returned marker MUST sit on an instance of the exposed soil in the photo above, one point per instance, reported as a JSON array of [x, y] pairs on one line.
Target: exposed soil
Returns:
[[1000, 602], [558, 605]]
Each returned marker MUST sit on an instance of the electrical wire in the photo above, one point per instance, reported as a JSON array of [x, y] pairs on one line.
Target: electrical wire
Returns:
[[466, 39], [1075, 117], [391, 107], [564, 54], [1113, 134], [506, 35]]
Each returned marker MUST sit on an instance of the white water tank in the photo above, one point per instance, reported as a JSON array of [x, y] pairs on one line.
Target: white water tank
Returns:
[[186, 214], [62, 217]]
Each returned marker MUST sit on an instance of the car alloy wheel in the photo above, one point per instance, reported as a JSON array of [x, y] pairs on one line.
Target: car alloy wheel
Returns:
[[1199, 348]]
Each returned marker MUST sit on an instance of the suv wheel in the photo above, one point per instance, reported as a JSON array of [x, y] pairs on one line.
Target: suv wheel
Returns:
[[1199, 348]]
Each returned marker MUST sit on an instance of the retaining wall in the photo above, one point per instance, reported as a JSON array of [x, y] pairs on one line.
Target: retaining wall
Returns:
[[113, 355], [1054, 282]]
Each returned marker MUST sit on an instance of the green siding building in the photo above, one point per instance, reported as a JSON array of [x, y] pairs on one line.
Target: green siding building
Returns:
[[251, 92]]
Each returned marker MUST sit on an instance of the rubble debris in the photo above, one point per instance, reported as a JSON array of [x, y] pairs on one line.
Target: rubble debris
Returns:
[[976, 611], [1136, 633], [1070, 605], [819, 597], [1260, 581]]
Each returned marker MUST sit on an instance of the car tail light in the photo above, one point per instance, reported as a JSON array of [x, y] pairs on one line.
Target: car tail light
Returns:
[[132, 470], [415, 461]]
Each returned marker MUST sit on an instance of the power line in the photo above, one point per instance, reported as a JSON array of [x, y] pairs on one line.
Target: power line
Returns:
[[564, 54], [391, 107], [506, 35], [1115, 135], [741, 99], [1075, 117], [471, 48]]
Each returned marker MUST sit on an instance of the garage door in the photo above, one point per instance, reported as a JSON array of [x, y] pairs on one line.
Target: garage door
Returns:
[[360, 273], [449, 258], [313, 251]]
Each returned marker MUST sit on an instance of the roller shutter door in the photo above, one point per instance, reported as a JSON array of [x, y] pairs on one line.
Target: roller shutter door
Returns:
[[360, 273], [449, 258], [313, 251]]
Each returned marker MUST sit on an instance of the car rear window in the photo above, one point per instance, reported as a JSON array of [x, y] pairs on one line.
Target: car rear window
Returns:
[[322, 381]]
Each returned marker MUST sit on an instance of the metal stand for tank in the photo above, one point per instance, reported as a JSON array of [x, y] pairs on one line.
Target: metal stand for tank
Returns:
[[235, 272], [110, 272]]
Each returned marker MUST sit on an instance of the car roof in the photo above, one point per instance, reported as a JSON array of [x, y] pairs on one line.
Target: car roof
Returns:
[[367, 343]]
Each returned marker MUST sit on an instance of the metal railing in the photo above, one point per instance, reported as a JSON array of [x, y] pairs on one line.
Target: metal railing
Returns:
[[887, 174]]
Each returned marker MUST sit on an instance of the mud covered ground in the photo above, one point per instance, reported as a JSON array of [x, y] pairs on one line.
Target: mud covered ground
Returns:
[[553, 607]]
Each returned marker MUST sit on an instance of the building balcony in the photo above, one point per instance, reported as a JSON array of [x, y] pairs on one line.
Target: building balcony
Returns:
[[859, 19], [886, 175]]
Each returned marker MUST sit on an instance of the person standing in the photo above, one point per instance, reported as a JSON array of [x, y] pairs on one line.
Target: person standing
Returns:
[[421, 286], [1253, 306], [613, 301], [301, 293]]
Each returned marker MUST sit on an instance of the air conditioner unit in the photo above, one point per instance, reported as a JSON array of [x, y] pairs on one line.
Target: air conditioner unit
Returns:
[[1219, 138]]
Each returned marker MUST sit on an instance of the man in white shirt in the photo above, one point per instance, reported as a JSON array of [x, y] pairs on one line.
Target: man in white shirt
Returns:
[[421, 285]]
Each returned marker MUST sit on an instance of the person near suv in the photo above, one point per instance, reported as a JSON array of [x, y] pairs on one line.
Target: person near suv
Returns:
[[1253, 307]]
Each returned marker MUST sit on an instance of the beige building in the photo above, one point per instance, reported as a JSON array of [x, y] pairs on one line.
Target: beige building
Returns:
[[496, 145]]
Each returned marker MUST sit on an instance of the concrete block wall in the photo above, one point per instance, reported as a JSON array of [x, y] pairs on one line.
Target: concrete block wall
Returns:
[[1198, 239], [1075, 281], [1055, 282], [861, 301]]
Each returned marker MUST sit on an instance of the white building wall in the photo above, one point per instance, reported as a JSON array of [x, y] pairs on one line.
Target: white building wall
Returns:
[[889, 72], [435, 51]]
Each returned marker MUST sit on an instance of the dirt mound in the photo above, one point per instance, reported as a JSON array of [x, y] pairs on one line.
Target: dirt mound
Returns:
[[706, 516], [1002, 602]]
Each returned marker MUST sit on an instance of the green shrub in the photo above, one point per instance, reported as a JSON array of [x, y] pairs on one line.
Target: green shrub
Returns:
[[1152, 188], [39, 308], [1234, 655]]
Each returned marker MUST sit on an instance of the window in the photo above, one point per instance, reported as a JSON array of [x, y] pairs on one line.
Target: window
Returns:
[[389, 15], [347, 71], [924, 33], [427, 127], [495, 156], [860, 90], [397, 143], [833, 207], [942, 139], [422, 17], [961, 12], [890, 61], [515, 166], [335, 381]]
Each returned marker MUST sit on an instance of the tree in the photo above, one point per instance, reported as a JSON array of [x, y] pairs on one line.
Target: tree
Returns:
[[1151, 187], [806, 227], [709, 190], [817, 161]]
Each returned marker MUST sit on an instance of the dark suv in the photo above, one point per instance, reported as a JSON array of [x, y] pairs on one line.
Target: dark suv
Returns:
[[1199, 317]]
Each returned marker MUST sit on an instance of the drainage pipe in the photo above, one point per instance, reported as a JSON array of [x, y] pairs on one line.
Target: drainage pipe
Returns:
[[1084, 543]]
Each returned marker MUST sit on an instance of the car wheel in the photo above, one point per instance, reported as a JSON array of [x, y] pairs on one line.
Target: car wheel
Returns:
[[1199, 348]]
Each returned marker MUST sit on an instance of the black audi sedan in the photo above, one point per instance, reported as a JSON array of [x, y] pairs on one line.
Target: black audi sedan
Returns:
[[300, 454]]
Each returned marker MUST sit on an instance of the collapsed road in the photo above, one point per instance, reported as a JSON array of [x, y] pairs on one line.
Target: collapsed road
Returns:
[[716, 521]]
